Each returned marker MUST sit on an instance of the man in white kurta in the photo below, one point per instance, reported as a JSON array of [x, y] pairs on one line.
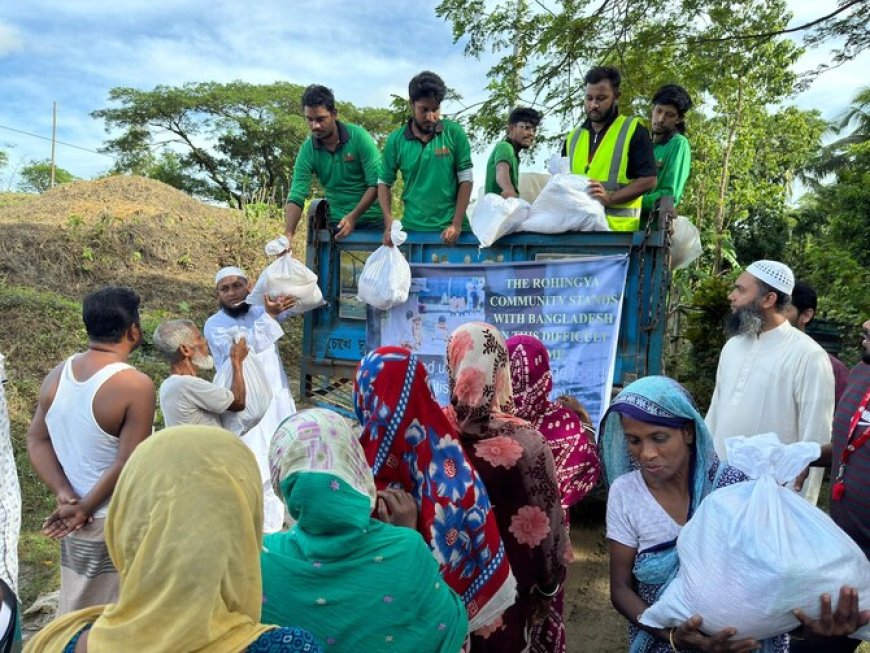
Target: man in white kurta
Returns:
[[264, 331], [771, 376]]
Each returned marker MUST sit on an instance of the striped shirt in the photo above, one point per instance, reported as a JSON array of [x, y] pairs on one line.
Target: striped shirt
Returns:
[[852, 512]]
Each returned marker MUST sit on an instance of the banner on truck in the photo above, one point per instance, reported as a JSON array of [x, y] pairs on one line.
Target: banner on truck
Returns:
[[572, 305]]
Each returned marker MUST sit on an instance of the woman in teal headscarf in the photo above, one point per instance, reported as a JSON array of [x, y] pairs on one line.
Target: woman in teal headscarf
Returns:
[[357, 583], [660, 464]]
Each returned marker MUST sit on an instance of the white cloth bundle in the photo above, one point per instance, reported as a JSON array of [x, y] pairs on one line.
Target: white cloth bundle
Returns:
[[755, 551], [258, 394], [564, 205], [496, 216]]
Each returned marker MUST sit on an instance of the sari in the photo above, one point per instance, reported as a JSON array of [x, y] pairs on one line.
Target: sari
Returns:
[[409, 444], [183, 530], [661, 400], [356, 583], [574, 453], [517, 467]]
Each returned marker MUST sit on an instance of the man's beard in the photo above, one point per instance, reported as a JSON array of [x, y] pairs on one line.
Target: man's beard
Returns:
[[201, 362], [237, 310], [746, 319], [424, 129]]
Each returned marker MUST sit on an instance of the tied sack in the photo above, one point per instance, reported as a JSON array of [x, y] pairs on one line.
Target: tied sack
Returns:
[[385, 279], [286, 276], [258, 394], [496, 216], [564, 205], [755, 551]]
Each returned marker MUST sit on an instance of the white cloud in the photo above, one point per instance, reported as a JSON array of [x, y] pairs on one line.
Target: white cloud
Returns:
[[10, 39]]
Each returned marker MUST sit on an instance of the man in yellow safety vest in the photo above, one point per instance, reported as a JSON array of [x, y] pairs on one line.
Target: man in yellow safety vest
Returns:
[[614, 151]]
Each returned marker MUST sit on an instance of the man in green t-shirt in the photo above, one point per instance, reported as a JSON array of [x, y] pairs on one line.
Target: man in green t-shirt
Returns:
[[503, 166], [346, 161], [434, 157], [670, 146]]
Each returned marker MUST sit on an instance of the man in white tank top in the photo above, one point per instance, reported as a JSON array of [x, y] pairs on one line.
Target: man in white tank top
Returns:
[[93, 410]]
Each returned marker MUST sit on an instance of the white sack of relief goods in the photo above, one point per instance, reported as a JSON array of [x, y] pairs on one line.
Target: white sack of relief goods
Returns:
[[258, 393], [564, 205], [386, 277], [289, 277], [755, 551], [685, 243], [496, 216]]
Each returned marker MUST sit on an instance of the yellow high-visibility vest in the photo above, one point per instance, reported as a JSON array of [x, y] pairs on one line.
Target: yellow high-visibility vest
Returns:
[[608, 165]]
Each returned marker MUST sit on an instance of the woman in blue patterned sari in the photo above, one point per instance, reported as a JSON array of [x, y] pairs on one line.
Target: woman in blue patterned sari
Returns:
[[660, 464]]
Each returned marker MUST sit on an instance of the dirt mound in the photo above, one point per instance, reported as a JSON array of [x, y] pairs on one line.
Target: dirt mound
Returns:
[[130, 230]]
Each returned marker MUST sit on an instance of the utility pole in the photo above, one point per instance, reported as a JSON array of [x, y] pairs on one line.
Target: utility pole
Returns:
[[53, 135]]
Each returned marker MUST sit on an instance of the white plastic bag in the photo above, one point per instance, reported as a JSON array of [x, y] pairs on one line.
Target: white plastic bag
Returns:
[[287, 276], [685, 243], [385, 279], [559, 165], [494, 217], [564, 205], [755, 551], [258, 393]]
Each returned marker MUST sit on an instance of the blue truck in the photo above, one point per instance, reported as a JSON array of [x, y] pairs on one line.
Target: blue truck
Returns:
[[334, 336]]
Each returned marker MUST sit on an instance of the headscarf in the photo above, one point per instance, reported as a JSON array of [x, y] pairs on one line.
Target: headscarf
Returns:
[[409, 444], [338, 571], [183, 530], [574, 452], [480, 379]]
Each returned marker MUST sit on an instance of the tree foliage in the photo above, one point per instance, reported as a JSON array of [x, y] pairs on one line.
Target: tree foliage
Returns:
[[229, 142], [35, 177]]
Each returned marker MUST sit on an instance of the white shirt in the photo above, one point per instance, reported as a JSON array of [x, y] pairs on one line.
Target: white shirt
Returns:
[[187, 399], [264, 331], [634, 517], [778, 381], [10, 496]]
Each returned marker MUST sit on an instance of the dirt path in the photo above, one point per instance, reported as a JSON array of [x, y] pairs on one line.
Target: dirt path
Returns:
[[592, 625]]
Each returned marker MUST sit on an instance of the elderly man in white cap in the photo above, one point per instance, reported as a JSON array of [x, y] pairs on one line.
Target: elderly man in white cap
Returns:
[[263, 332], [771, 376]]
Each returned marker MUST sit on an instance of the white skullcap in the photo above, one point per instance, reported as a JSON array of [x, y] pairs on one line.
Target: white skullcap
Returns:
[[775, 274], [229, 271]]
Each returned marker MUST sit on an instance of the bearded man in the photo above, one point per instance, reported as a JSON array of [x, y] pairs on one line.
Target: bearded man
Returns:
[[184, 397], [263, 332], [771, 376]]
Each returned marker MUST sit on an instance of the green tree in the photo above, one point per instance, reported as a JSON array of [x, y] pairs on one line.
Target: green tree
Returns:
[[35, 177], [230, 142]]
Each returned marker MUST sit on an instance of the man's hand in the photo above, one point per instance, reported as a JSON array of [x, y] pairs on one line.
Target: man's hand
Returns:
[[450, 235], [345, 227], [572, 404], [801, 479], [507, 193], [397, 507], [239, 351], [845, 621], [388, 241], [689, 635], [598, 192], [275, 307], [69, 517]]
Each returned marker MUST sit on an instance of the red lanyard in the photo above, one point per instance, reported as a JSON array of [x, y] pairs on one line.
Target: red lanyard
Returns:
[[839, 487]]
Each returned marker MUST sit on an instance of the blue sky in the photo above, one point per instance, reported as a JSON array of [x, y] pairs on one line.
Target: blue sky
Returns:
[[75, 51]]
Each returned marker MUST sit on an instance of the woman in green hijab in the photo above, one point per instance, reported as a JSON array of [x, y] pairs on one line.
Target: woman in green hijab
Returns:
[[356, 583]]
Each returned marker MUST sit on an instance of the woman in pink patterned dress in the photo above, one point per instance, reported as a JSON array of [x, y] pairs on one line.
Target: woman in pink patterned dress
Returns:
[[576, 457], [517, 467]]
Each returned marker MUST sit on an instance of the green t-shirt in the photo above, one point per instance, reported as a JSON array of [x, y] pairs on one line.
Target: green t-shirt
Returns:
[[503, 151], [345, 174], [673, 162], [429, 171]]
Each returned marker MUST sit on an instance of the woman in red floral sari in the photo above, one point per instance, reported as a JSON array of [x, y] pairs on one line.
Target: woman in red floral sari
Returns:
[[516, 465], [577, 463]]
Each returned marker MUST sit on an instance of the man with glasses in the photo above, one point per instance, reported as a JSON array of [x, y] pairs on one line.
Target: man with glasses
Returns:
[[345, 160], [503, 166]]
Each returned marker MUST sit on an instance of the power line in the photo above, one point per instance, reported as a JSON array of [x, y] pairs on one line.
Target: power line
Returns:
[[46, 138]]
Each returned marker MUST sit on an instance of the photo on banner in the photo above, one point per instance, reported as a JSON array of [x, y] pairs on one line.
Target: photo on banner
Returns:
[[572, 305]]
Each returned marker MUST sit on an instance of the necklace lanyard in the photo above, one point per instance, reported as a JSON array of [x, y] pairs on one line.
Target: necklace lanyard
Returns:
[[852, 445]]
